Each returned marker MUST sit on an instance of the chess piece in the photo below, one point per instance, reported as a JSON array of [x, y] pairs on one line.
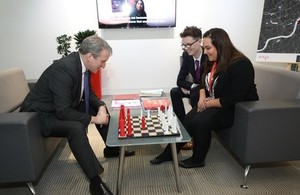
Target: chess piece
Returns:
[[158, 111], [162, 108], [141, 112], [162, 117], [129, 128], [122, 127], [128, 113], [174, 124], [165, 125], [129, 124], [121, 113], [143, 123]]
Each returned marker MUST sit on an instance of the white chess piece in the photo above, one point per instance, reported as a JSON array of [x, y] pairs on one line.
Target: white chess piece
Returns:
[[170, 115], [165, 125], [158, 111], [170, 119], [171, 111], [141, 112], [161, 117], [174, 124], [166, 109]]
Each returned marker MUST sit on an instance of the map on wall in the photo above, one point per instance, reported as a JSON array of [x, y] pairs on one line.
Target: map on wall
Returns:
[[279, 39]]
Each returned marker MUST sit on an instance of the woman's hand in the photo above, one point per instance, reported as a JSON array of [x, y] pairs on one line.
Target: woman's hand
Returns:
[[201, 105], [202, 101]]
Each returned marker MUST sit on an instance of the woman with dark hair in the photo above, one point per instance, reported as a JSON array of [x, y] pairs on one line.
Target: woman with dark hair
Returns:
[[138, 16], [228, 79]]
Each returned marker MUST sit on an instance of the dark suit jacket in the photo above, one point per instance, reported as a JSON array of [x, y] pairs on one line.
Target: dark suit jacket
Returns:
[[57, 92], [188, 67], [232, 86]]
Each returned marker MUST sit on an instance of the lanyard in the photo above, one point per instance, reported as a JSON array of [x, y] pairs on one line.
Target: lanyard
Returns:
[[211, 76]]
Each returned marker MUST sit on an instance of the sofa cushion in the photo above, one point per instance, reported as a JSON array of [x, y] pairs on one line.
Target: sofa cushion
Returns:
[[276, 83], [13, 87]]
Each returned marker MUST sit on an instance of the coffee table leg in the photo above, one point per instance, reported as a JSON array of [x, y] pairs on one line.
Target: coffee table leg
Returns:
[[120, 171], [176, 169]]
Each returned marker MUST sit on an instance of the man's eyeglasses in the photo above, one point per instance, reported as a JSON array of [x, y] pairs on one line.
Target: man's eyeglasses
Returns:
[[187, 46]]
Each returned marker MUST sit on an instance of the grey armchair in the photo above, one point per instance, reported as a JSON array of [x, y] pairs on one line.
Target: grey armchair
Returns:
[[267, 130], [24, 152]]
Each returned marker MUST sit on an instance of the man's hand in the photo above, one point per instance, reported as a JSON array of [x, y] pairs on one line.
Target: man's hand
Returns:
[[102, 117]]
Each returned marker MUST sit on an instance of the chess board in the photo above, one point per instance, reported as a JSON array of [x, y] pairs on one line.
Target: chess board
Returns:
[[153, 128]]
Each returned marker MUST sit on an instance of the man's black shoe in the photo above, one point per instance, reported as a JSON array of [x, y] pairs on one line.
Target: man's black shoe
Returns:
[[189, 163], [101, 189], [116, 153], [156, 161], [163, 157]]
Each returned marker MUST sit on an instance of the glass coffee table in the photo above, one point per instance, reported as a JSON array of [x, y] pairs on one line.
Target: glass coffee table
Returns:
[[113, 140]]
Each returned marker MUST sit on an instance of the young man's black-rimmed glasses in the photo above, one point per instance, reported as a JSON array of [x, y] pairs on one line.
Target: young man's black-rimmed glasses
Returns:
[[187, 46]]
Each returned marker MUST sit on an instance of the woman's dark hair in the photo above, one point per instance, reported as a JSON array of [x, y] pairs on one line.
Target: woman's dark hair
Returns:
[[138, 13], [143, 9], [227, 52]]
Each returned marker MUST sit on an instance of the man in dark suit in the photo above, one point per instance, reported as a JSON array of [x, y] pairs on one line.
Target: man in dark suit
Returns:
[[58, 96], [191, 39]]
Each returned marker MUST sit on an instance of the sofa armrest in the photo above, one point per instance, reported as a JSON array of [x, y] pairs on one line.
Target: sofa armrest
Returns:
[[21, 147], [266, 131]]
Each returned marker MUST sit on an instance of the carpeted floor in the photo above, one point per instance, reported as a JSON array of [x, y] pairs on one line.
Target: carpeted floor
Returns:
[[222, 174]]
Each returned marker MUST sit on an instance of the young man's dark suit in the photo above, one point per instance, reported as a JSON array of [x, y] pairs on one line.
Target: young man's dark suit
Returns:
[[187, 67], [57, 97]]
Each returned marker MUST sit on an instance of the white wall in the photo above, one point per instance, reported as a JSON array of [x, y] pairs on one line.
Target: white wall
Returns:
[[142, 59]]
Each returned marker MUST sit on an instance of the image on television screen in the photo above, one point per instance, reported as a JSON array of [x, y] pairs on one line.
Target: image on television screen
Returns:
[[136, 13]]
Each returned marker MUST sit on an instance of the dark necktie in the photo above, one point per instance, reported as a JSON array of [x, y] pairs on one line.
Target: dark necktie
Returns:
[[197, 70], [86, 91]]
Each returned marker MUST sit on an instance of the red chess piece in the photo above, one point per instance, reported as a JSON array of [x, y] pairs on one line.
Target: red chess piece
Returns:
[[122, 112], [128, 113], [162, 108], [129, 127], [122, 128], [143, 125], [129, 124]]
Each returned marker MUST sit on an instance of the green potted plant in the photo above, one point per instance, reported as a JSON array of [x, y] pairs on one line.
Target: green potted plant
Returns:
[[64, 44], [81, 35]]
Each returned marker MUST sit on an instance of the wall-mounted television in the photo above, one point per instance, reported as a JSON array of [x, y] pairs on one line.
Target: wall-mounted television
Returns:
[[136, 13]]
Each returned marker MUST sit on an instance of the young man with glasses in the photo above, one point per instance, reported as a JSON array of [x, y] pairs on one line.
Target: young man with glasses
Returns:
[[191, 39]]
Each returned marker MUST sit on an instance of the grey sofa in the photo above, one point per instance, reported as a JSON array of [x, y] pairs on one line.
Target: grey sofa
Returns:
[[267, 130], [24, 152]]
